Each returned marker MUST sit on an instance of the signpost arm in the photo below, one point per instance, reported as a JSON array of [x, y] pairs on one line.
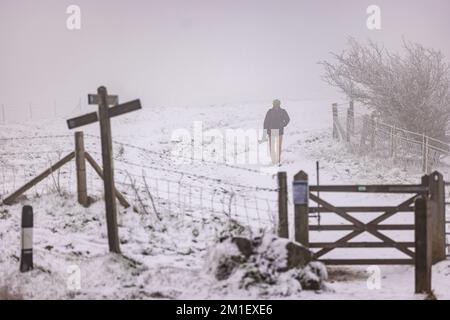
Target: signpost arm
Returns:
[[108, 171]]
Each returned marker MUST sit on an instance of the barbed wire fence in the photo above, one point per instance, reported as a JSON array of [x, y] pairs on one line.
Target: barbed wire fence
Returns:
[[156, 187], [365, 134]]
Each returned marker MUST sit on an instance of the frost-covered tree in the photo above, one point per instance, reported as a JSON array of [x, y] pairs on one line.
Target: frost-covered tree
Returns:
[[411, 90]]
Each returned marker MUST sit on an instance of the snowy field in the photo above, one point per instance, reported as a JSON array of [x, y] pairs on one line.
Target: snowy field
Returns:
[[166, 242]]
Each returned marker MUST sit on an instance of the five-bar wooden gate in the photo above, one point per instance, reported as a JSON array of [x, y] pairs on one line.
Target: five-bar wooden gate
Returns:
[[431, 189]]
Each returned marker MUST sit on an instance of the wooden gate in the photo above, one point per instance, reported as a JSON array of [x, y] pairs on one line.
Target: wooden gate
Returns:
[[430, 189]]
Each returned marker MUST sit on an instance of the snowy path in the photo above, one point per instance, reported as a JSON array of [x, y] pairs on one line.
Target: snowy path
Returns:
[[168, 257]]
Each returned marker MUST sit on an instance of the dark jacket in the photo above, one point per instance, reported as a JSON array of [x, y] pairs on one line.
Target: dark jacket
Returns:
[[276, 118]]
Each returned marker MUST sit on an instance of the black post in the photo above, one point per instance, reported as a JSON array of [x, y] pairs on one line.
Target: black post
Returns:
[[26, 256], [283, 225]]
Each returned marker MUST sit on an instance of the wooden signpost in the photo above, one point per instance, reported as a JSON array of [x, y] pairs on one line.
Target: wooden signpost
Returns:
[[103, 116]]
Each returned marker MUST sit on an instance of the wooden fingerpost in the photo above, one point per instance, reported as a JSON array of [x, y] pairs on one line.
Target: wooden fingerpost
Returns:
[[80, 162], [283, 224], [335, 120], [108, 171], [301, 198], [422, 210], [437, 195]]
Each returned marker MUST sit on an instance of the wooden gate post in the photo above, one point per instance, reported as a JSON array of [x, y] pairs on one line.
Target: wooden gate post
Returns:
[[80, 162], [108, 171], [437, 194], [335, 120], [301, 217], [422, 210], [283, 224]]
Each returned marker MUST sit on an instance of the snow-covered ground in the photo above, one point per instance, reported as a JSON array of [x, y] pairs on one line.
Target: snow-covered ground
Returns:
[[165, 253]]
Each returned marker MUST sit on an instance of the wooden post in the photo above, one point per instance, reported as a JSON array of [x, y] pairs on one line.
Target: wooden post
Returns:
[[437, 195], [351, 112], [335, 120], [392, 142], [425, 168], [365, 130], [108, 171], [301, 217], [422, 210], [80, 162], [283, 224], [373, 129], [349, 126], [3, 114]]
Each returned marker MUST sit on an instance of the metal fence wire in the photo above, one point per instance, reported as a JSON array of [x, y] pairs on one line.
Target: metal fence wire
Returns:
[[366, 134], [151, 182]]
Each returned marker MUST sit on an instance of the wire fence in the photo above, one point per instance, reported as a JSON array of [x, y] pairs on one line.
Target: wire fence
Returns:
[[366, 134], [150, 181]]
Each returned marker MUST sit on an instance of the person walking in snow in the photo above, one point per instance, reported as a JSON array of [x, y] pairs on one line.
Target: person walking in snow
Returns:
[[274, 123]]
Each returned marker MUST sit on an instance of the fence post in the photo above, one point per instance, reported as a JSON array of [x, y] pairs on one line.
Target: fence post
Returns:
[[364, 130], [437, 195], [373, 129], [349, 126], [425, 168], [3, 114], [422, 213], [301, 217], [283, 224], [335, 119], [392, 142], [351, 113], [26, 256], [80, 162]]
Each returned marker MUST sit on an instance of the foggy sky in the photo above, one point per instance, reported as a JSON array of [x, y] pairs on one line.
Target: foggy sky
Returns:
[[184, 52]]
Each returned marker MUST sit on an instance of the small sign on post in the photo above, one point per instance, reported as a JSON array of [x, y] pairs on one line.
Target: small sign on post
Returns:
[[301, 192]]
